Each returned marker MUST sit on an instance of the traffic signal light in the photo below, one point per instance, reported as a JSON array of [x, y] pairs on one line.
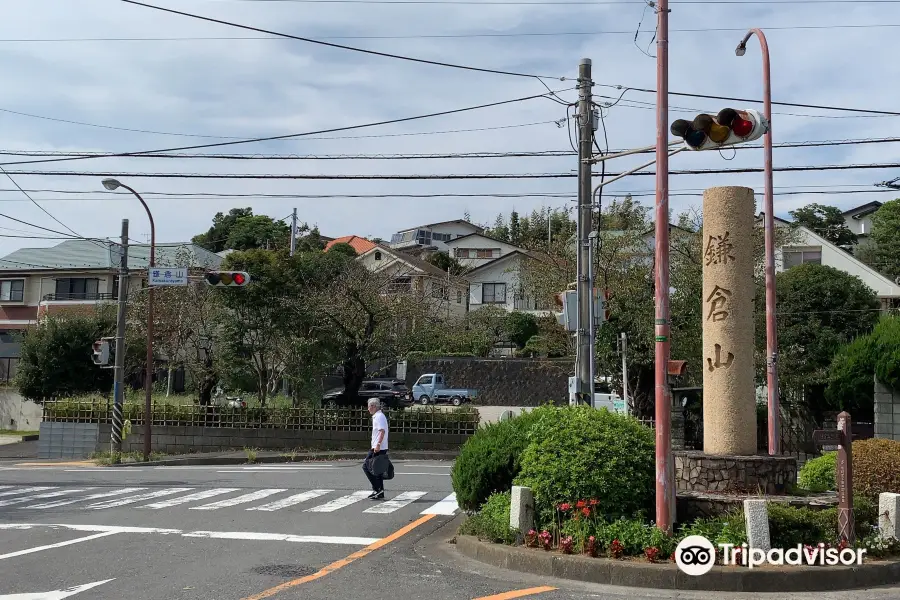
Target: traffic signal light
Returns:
[[601, 306], [227, 278], [567, 302], [101, 352], [727, 128]]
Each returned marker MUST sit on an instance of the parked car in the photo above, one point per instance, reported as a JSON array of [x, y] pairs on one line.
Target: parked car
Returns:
[[431, 387], [393, 393]]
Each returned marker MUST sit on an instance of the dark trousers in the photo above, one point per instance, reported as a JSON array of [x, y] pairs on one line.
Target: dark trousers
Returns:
[[377, 481]]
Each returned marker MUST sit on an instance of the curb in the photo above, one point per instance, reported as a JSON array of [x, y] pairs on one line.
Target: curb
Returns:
[[30, 438], [324, 456], [669, 577]]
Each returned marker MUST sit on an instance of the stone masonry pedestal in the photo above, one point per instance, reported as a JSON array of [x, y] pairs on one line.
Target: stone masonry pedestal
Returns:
[[699, 472]]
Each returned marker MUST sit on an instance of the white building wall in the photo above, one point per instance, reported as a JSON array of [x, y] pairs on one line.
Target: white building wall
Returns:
[[506, 272], [478, 242], [455, 230]]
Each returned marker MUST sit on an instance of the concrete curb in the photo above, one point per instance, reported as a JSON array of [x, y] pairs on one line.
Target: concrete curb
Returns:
[[306, 457], [668, 577]]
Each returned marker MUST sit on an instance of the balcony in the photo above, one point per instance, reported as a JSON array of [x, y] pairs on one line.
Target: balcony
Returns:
[[78, 297]]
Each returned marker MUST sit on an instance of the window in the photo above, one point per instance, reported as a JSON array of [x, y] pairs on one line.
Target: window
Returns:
[[12, 290], [797, 256], [441, 237], [378, 255], [81, 288], [478, 253], [423, 236], [425, 380], [493, 293], [459, 296]]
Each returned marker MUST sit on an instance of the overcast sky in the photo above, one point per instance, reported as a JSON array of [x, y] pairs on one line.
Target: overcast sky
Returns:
[[200, 91]]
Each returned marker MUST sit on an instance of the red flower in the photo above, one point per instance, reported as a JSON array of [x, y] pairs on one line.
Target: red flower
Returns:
[[594, 502], [580, 504], [565, 506], [586, 511], [565, 545], [651, 553], [616, 549]]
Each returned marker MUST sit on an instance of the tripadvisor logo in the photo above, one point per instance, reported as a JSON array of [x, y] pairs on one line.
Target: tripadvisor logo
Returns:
[[696, 555]]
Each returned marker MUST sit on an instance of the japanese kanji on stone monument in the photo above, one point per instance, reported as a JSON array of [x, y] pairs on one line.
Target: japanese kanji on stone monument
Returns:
[[729, 401]]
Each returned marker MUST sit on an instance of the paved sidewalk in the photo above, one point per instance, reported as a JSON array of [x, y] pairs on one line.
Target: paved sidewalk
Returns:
[[239, 457]]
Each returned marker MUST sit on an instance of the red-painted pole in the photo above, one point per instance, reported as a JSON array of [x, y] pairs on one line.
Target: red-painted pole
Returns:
[[771, 329], [664, 475]]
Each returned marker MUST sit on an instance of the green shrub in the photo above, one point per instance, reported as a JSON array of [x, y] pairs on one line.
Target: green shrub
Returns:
[[789, 525], [490, 460], [491, 524], [581, 452], [729, 528], [876, 467], [818, 474]]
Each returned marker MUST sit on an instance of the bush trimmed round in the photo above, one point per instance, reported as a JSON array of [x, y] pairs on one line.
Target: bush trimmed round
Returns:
[[819, 474], [583, 453], [489, 460], [876, 467]]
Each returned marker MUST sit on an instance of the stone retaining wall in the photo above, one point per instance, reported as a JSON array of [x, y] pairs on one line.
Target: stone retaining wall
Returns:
[[699, 472], [185, 440], [698, 505], [887, 412]]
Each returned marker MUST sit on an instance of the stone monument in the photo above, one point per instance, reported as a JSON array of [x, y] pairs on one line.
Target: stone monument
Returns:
[[729, 461]]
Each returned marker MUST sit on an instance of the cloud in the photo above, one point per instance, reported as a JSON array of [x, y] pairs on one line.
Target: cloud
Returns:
[[231, 88]]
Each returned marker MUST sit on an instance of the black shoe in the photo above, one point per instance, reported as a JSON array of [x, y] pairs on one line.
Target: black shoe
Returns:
[[377, 495]]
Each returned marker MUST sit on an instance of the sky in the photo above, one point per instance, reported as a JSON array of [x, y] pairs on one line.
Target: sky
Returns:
[[116, 69]]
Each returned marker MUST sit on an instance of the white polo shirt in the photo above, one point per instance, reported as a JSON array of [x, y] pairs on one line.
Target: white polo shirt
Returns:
[[379, 422]]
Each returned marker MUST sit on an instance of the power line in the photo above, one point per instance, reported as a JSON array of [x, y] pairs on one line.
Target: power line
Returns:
[[366, 177], [295, 135], [567, 2], [447, 35], [342, 46], [36, 204]]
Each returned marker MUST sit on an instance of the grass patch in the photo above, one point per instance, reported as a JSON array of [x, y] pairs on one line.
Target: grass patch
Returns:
[[107, 457], [16, 432], [251, 454]]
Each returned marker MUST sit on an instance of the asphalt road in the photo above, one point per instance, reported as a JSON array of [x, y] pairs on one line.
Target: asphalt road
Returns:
[[252, 532]]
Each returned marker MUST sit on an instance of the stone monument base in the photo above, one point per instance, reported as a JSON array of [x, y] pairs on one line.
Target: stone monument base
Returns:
[[760, 474]]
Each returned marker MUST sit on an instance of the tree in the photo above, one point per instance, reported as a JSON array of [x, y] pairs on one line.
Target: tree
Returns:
[[446, 263], [520, 327], [343, 248], [240, 229], [820, 309], [55, 359], [827, 222], [216, 237], [883, 253]]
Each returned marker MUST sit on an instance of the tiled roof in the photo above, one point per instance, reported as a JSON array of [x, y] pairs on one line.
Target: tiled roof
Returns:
[[86, 254], [413, 261], [361, 245]]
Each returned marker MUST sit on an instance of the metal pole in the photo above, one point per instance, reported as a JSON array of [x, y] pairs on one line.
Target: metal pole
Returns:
[[624, 338], [771, 329], [119, 371], [592, 332], [293, 232], [664, 475], [583, 293]]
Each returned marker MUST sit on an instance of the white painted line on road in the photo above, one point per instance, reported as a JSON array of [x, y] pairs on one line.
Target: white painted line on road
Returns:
[[426, 466], [447, 506], [286, 467], [85, 499], [55, 594], [291, 500], [341, 502], [190, 498], [58, 544], [26, 490], [257, 495], [22, 499], [138, 498], [281, 537], [94, 528], [395, 503], [129, 470]]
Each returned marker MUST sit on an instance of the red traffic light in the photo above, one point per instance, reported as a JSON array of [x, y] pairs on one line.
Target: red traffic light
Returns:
[[238, 278], [227, 278], [728, 127]]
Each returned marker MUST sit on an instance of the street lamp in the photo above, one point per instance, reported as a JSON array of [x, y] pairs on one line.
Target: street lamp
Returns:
[[771, 331], [112, 185]]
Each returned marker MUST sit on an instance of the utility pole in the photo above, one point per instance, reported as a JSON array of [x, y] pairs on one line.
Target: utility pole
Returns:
[[293, 232], [583, 358], [119, 371], [623, 338]]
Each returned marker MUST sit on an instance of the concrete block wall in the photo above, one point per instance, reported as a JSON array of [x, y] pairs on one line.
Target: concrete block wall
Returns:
[[887, 412], [17, 413], [70, 440], [185, 440]]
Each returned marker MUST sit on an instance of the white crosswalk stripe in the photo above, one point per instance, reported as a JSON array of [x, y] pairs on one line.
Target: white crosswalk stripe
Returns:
[[190, 498], [447, 506], [85, 499], [26, 490], [291, 500], [23, 499], [139, 498], [399, 502], [341, 502], [239, 499]]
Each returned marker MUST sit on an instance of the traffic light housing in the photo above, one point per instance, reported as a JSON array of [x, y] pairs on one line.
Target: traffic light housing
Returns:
[[227, 278], [100, 353], [729, 127], [567, 302], [601, 306]]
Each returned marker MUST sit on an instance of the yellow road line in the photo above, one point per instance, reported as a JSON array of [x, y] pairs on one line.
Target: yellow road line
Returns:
[[518, 593], [343, 562], [80, 463]]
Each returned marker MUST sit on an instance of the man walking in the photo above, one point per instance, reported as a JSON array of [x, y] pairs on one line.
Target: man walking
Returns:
[[378, 449]]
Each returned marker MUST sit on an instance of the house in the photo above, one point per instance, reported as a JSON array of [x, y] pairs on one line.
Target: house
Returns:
[[477, 249], [859, 220], [499, 282], [412, 274], [360, 244], [79, 274], [434, 235]]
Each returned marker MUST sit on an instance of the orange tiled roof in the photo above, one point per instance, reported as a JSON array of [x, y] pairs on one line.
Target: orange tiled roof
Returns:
[[359, 244]]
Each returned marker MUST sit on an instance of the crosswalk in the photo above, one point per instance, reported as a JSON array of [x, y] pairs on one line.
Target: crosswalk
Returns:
[[214, 499]]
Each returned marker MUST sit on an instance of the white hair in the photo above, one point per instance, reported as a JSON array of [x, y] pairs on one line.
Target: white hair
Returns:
[[374, 402]]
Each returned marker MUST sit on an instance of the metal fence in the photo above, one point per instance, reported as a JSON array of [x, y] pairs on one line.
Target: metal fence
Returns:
[[432, 420]]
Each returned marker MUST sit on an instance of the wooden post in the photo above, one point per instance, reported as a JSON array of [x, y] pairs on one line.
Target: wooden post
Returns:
[[846, 530]]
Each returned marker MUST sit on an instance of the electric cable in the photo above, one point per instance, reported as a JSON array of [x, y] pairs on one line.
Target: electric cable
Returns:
[[46, 212]]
